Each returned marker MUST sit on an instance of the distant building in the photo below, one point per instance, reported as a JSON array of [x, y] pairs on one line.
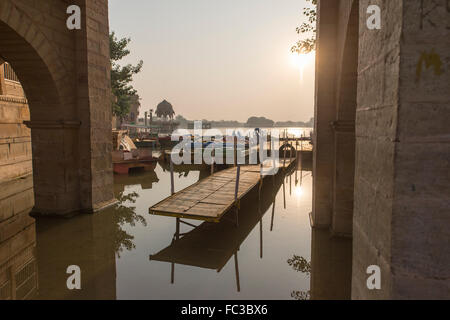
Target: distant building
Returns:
[[165, 110], [133, 116]]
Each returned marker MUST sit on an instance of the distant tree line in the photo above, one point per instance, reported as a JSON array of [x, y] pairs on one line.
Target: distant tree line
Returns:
[[252, 122]]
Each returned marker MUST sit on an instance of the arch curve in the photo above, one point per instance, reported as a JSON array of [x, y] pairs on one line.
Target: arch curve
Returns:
[[65, 77], [35, 60], [344, 125]]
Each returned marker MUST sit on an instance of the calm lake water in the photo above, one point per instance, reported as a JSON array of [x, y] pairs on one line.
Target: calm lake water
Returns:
[[113, 247], [126, 253]]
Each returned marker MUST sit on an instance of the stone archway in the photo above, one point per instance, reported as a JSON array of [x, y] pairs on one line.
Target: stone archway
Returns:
[[65, 76], [344, 128], [335, 113]]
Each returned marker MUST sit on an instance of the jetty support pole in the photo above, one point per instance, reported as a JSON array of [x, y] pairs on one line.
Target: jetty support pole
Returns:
[[284, 151], [290, 184], [235, 151], [290, 154], [172, 274], [296, 161], [301, 152], [260, 231], [236, 269], [274, 163], [213, 159], [261, 178], [236, 191], [172, 181], [273, 213]]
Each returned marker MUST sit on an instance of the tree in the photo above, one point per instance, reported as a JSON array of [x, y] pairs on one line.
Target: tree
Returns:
[[122, 76], [309, 27], [259, 122], [182, 121]]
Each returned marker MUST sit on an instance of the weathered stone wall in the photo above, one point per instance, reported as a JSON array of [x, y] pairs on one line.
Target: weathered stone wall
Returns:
[[325, 112], [16, 183], [376, 127], [402, 185], [65, 75], [18, 267], [420, 214], [15, 139], [402, 154]]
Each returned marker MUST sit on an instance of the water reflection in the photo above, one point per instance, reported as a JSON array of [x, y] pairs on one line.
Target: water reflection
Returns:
[[183, 170], [124, 212], [211, 245], [331, 266], [300, 264], [265, 257], [18, 267], [89, 242]]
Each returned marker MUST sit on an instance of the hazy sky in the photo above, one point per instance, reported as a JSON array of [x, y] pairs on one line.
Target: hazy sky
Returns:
[[217, 59]]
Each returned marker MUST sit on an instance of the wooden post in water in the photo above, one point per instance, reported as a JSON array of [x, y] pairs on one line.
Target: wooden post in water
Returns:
[[301, 151], [260, 179], [172, 274], [177, 237], [236, 191], [290, 184], [284, 151], [296, 161], [235, 151], [260, 238], [213, 159], [258, 148], [236, 269], [172, 181], [273, 213], [290, 154], [272, 147]]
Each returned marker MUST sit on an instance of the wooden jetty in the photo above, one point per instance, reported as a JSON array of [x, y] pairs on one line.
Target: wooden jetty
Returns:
[[210, 198], [212, 245]]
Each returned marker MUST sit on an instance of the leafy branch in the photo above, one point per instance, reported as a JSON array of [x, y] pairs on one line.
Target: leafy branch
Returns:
[[122, 76], [308, 44]]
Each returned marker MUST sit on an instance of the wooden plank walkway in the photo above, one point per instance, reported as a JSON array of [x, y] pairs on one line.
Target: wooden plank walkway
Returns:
[[211, 245], [209, 199]]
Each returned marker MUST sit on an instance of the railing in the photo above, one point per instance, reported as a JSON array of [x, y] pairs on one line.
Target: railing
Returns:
[[9, 72]]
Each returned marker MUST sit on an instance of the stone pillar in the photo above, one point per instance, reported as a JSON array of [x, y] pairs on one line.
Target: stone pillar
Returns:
[[401, 220], [344, 126], [55, 166], [72, 162], [325, 113], [69, 95], [94, 106], [344, 174]]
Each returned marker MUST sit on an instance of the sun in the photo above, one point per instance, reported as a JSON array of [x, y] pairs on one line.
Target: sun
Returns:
[[300, 61]]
